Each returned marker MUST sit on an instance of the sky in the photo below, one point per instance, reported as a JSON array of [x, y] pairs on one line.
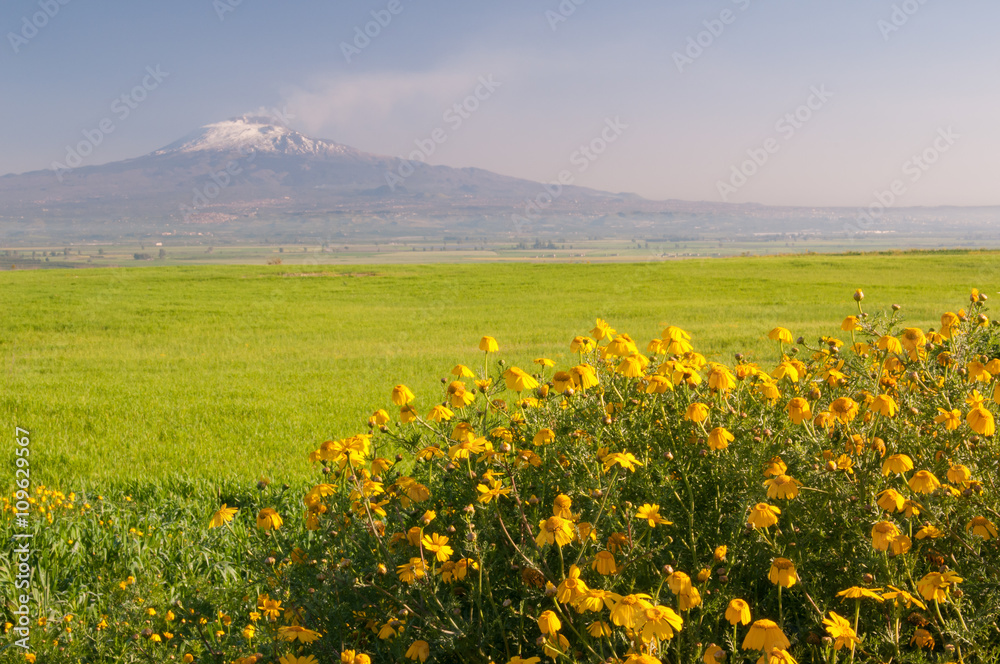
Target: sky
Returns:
[[780, 102]]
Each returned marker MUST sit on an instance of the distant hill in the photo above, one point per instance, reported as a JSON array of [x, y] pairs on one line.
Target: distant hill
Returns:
[[253, 176]]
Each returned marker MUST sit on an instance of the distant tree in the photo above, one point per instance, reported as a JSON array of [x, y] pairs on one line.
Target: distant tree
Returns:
[[163, 253]]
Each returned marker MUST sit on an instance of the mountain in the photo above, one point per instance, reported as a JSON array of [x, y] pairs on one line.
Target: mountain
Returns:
[[251, 166], [252, 177]]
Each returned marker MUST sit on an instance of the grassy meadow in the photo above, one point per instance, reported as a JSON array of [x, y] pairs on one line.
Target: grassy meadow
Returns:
[[237, 371]]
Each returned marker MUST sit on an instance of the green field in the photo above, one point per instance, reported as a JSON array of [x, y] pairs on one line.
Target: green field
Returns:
[[236, 371]]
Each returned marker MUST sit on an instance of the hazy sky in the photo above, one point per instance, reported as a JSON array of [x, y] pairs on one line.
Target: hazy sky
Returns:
[[887, 80]]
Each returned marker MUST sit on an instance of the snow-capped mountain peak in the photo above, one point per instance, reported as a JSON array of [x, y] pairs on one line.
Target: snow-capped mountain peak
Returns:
[[251, 133]]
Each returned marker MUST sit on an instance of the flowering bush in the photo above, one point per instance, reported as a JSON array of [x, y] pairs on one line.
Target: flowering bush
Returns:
[[652, 506], [835, 503]]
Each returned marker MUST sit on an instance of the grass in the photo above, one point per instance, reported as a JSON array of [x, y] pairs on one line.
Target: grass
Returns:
[[233, 372]]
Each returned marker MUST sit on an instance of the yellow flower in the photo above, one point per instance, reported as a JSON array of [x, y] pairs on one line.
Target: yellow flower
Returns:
[[223, 516], [572, 586], [883, 533], [679, 583], [696, 412], [296, 633], [763, 515], [780, 335], [913, 338], [549, 623], [581, 345], [720, 553], [720, 378], [626, 460], [407, 414], [584, 376], [777, 656], [982, 526], [305, 659], [884, 406], [379, 417], [959, 474], [440, 413], [494, 490], [602, 330], [775, 467], [765, 635], [411, 571], [841, 631], [604, 563], [418, 650], [798, 410], [401, 395], [713, 654], [633, 366], [271, 608], [488, 345], [738, 612], [923, 639], [783, 573], [719, 439], [906, 598], [661, 623], [890, 344], [651, 514], [518, 660], [891, 500], [850, 324], [935, 585], [857, 592], [844, 409], [897, 463], [562, 506], [438, 545], [188, 658], [621, 346], [923, 481], [555, 530], [901, 544], [928, 532], [782, 487], [628, 611], [599, 629], [519, 380], [248, 632], [981, 421], [544, 437], [268, 519]]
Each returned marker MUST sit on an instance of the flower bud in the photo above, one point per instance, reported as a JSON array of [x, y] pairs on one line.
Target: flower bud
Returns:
[[668, 570], [896, 307], [859, 295]]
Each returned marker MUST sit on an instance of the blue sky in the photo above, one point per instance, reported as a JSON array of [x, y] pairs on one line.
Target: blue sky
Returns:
[[888, 89]]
